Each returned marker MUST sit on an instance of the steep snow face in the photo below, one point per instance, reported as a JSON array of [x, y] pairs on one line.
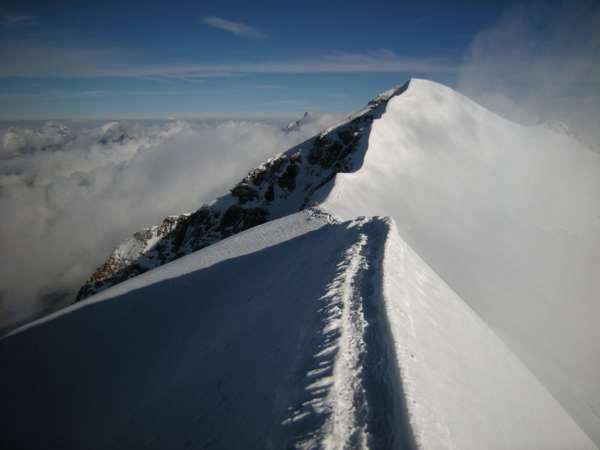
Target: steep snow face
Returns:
[[507, 215], [300, 333], [464, 388]]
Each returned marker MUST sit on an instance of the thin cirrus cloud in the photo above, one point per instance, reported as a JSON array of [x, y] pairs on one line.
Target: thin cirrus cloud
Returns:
[[237, 28], [43, 60], [17, 19], [379, 62]]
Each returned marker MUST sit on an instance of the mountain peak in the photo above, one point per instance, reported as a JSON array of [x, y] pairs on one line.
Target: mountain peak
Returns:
[[297, 124], [288, 182], [428, 223]]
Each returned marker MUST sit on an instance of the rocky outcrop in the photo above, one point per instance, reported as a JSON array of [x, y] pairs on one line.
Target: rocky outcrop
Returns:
[[296, 124], [284, 184]]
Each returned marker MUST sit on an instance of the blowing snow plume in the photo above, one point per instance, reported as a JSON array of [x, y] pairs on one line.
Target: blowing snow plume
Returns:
[[540, 62], [74, 192]]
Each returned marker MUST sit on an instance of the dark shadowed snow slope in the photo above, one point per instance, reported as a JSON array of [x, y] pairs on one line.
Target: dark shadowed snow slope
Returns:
[[239, 354], [300, 333]]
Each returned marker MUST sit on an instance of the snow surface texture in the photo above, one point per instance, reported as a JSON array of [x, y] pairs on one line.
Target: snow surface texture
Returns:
[[507, 215], [313, 332], [274, 340], [464, 388]]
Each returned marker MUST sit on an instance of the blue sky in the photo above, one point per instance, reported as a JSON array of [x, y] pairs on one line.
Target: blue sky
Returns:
[[144, 59]]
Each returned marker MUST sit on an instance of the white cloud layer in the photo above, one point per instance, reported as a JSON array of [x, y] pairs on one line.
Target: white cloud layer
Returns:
[[70, 195], [540, 62]]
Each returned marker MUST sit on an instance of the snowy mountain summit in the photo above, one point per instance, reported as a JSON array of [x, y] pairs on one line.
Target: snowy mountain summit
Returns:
[[422, 275]]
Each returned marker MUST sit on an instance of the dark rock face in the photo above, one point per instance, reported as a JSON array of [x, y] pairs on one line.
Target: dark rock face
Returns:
[[244, 192], [288, 179], [282, 185], [181, 236], [237, 218], [270, 194]]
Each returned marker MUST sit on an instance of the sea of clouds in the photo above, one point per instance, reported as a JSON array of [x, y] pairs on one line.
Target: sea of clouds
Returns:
[[71, 191]]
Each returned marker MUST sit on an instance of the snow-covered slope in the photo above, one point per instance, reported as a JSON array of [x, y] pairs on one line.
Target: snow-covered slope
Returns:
[[303, 333], [508, 216], [465, 320], [464, 388]]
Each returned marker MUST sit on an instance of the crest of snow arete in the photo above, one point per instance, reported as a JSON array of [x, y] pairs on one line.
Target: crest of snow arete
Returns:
[[286, 183]]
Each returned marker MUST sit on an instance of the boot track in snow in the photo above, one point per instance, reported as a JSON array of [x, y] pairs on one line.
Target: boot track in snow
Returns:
[[355, 397]]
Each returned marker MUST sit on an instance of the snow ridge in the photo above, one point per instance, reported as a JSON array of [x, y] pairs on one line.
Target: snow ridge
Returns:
[[309, 332], [289, 182], [331, 335], [507, 215], [353, 381], [346, 424]]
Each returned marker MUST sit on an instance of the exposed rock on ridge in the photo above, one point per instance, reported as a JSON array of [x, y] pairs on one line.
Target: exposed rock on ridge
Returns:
[[284, 184]]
